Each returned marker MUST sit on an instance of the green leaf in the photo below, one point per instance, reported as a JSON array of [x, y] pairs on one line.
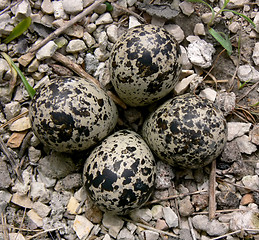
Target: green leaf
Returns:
[[241, 15], [222, 39], [31, 91], [19, 29], [109, 7]]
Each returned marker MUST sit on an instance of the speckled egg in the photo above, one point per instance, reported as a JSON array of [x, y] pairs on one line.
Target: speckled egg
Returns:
[[71, 114], [120, 172], [186, 131], [145, 64]]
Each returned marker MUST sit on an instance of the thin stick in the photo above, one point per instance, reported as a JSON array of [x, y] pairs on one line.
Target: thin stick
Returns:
[[220, 211], [212, 187], [11, 160], [247, 92], [14, 119], [60, 30], [237, 231], [10, 6], [40, 233], [151, 228], [174, 196], [4, 227], [191, 228], [80, 71]]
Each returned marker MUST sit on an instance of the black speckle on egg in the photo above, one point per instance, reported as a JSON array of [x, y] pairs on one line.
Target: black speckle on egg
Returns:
[[120, 183], [186, 131], [145, 64]]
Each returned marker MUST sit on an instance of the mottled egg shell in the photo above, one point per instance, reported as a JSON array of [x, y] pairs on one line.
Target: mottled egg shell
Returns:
[[71, 114], [145, 64], [186, 131], [119, 173]]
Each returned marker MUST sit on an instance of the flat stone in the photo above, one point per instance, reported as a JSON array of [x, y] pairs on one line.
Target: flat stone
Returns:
[[5, 196], [47, 51], [200, 53], [47, 7], [237, 129], [125, 234], [100, 9], [25, 59], [206, 17], [185, 207], [91, 27], [186, 7], [33, 216], [209, 94], [255, 55], [186, 64], [23, 188], [20, 125], [59, 11], [72, 7], [199, 29], [141, 213], [248, 73], [34, 154], [101, 54], [41, 209], [234, 27], [22, 200], [113, 223], [183, 85], [216, 228], [226, 102], [254, 135], [133, 22], [161, 225], [150, 235], [89, 39], [251, 181], [170, 217], [73, 205], [4, 175], [245, 146], [175, 31], [39, 192], [70, 182], [105, 18], [16, 139], [231, 153], [157, 211], [22, 10], [164, 175], [75, 46], [56, 165], [82, 226], [112, 33]]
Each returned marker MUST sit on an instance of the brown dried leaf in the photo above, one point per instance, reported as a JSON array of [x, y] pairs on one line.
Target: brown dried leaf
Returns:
[[16, 139]]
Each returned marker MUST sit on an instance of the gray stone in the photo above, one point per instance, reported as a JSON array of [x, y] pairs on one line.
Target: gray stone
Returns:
[[226, 102], [100, 9], [91, 27], [244, 220], [185, 207], [12, 109], [4, 68], [75, 45], [89, 39], [251, 181], [47, 51], [4, 4], [101, 54], [200, 53], [39, 192], [72, 7], [186, 64], [22, 10], [208, 93], [231, 152], [131, 2], [206, 17], [5, 179], [186, 7], [41, 209], [141, 213], [245, 145], [112, 33], [70, 182], [56, 165], [47, 7], [164, 175], [233, 4], [237, 129], [170, 217], [248, 73], [199, 29], [175, 31], [91, 63], [113, 223], [216, 228], [157, 211], [5, 24], [234, 27], [256, 22], [200, 222], [125, 234], [105, 18], [255, 55], [102, 40], [150, 235], [34, 154], [23, 187], [59, 11]]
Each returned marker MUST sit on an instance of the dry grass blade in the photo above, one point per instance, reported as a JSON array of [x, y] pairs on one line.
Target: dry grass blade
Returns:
[[14, 119], [4, 227], [43, 232], [247, 92], [212, 188]]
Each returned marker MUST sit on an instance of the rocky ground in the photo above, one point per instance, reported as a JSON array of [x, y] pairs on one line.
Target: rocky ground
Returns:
[[41, 193]]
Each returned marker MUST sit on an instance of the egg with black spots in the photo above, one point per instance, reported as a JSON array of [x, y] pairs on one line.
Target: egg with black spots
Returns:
[[186, 131], [119, 174], [144, 65], [71, 114]]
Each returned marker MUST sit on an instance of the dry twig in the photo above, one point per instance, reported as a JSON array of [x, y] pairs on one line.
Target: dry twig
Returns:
[[247, 92], [191, 228], [212, 187], [43, 232], [80, 71], [60, 30], [4, 227], [235, 232]]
